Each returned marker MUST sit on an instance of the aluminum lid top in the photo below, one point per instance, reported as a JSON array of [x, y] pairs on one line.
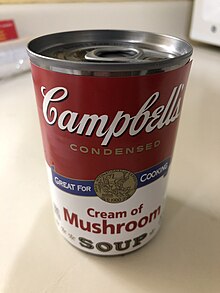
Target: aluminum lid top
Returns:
[[109, 50]]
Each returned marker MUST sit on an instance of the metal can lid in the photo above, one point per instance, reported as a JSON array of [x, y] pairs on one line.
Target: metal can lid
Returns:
[[109, 50]]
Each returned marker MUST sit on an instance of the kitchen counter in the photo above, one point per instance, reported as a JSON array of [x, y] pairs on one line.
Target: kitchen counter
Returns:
[[183, 257]]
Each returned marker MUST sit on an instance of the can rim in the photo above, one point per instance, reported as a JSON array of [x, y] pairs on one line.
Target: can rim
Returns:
[[37, 45]]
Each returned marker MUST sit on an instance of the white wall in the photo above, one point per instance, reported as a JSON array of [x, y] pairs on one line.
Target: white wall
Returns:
[[169, 17]]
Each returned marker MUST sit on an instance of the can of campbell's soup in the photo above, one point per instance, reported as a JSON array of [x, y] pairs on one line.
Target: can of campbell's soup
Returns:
[[109, 103]]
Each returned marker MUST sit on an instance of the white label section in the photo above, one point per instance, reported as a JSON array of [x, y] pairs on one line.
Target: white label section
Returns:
[[102, 228]]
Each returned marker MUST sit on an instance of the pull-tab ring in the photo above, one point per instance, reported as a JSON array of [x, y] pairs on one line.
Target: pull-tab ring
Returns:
[[114, 54]]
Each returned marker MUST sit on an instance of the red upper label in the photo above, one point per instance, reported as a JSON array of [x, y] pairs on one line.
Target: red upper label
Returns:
[[93, 124]]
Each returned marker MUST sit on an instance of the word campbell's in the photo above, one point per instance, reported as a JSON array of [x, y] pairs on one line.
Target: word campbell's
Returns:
[[146, 120]]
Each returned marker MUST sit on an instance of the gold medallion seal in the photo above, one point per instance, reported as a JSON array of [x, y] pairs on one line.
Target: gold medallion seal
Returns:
[[115, 186]]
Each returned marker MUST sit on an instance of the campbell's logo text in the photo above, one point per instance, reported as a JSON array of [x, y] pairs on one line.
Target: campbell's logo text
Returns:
[[105, 127]]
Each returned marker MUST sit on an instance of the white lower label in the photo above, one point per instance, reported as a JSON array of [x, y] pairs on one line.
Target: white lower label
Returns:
[[104, 228]]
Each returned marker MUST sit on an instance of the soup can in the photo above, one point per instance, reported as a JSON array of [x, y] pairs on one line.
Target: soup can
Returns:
[[109, 104]]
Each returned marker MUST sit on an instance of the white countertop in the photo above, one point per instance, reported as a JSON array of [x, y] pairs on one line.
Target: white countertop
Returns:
[[185, 255]]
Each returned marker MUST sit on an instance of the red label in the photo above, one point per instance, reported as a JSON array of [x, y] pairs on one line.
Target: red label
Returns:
[[93, 124], [7, 30]]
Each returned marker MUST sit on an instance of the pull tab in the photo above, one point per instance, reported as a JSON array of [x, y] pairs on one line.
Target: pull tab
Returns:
[[114, 54]]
